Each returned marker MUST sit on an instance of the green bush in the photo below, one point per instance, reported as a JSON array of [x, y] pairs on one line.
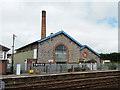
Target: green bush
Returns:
[[112, 67]]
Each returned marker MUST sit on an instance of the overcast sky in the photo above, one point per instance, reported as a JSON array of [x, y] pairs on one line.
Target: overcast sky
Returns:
[[91, 23]]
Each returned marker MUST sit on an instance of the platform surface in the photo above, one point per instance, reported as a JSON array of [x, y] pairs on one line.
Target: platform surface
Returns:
[[51, 74]]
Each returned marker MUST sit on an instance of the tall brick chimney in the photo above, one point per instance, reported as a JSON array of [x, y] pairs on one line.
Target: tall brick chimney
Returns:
[[43, 30]]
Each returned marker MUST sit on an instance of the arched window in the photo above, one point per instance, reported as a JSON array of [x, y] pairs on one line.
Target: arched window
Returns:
[[60, 53]]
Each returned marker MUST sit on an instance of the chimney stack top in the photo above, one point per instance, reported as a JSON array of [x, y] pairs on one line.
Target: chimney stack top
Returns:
[[43, 31]]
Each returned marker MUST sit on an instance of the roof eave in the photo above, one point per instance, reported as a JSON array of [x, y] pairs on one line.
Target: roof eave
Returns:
[[25, 46], [90, 49], [60, 32]]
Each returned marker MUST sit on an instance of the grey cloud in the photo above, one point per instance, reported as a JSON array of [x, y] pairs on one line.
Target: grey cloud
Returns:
[[24, 20]]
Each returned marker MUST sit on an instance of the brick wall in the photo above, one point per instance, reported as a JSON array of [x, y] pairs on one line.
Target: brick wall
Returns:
[[3, 66]]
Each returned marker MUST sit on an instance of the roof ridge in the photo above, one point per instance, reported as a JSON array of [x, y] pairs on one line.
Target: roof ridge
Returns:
[[90, 49], [60, 33]]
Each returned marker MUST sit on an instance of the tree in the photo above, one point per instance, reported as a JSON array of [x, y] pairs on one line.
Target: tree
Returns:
[[114, 57]]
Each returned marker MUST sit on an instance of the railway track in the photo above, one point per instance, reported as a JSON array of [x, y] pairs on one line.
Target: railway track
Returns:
[[71, 83]]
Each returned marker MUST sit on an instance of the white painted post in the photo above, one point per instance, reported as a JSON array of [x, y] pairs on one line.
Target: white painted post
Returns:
[[25, 64], [3, 55], [18, 69], [35, 54], [2, 85], [91, 66]]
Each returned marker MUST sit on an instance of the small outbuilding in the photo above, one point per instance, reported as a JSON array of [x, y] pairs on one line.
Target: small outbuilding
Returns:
[[3, 59]]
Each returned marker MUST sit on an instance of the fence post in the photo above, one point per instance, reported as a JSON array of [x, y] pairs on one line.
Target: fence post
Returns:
[[92, 66], [2, 85], [72, 68], [86, 66], [60, 68], [50, 67], [46, 69], [34, 68], [18, 69]]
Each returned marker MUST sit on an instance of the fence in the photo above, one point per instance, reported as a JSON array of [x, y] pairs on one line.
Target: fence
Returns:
[[57, 68]]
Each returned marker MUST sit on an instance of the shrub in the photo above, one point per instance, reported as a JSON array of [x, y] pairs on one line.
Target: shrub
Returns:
[[70, 70], [83, 69], [76, 69], [112, 67]]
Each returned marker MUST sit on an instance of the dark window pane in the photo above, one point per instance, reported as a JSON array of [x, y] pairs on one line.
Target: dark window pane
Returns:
[[60, 53]]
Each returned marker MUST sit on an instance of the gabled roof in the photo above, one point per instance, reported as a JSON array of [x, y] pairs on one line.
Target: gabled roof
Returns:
[[26, 45], [4, 48], [85, 46], [60, 32]]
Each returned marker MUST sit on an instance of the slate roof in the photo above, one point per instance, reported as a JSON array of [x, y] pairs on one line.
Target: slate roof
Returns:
[[3, 48], [85, 46], [62, 32]]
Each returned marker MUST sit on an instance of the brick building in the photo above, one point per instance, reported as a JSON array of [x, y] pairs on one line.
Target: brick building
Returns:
[[59, 47]]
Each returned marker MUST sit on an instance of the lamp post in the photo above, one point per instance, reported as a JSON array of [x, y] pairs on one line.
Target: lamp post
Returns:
[[13, 53]]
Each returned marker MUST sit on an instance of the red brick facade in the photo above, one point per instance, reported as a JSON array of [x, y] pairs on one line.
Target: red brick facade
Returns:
[[2, 66], [30, 61]]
